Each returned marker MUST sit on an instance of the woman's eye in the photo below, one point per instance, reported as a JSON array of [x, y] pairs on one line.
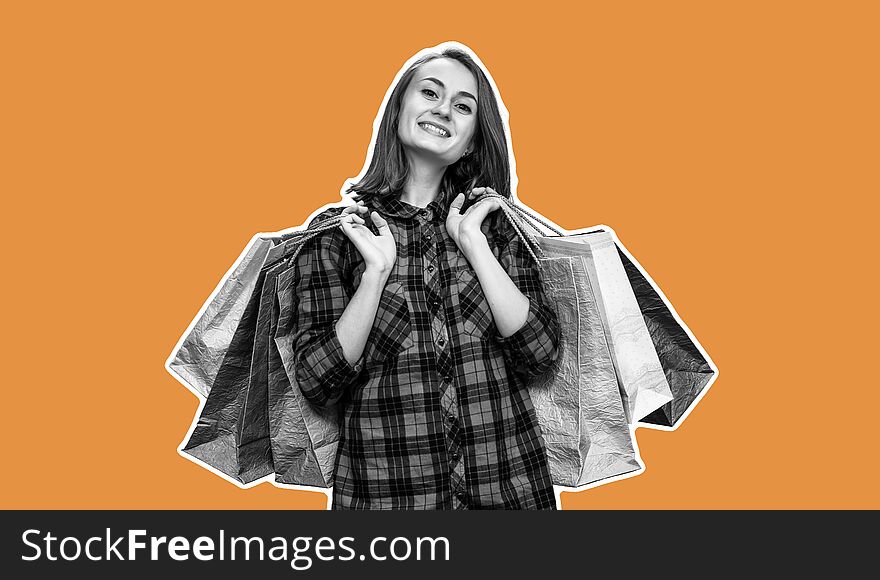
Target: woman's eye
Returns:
[[465, 108], [429, 92]]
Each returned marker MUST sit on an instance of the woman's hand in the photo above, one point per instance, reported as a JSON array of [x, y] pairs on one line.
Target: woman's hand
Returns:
[[464, 228], [379, 252]]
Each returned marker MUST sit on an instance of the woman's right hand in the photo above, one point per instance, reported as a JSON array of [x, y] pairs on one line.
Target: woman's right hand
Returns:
[[379, 252]]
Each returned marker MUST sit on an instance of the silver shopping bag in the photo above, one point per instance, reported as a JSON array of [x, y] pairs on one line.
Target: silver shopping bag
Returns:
[[201, 352], [643, 383], [579, 401], [224, 433], [304, 437], [688, 370], [232, 432]]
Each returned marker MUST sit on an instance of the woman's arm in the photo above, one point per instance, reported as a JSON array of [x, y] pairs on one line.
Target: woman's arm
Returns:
[[379, 253], [510, 307], [320, 297], [331, 323], [528, 328], [353, 327]]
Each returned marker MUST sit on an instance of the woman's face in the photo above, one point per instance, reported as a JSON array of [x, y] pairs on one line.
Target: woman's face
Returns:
[[438, 114]]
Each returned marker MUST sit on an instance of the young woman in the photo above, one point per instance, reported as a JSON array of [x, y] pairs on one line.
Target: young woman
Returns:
[[423, 314]]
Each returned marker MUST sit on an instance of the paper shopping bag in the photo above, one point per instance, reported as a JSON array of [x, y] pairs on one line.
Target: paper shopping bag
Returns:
[[643, 383], [304, 437], [220, 438], [689, 372], [202, 350], [232, 433], [579, 401]]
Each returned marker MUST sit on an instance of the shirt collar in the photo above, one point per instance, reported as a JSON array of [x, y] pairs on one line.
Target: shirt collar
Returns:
[[390, 204]]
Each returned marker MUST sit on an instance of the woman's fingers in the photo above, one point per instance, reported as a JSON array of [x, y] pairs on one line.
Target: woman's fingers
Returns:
[[359, 207], [476, 214], [478, 191], [345, 226], [381, 224], [349, 224], [352, 219], [457, 203]]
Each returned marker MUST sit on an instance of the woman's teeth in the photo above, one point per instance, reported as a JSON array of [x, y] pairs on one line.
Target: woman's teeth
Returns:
[[433, 129]]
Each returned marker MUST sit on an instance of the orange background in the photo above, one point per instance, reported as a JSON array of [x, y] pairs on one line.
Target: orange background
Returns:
[[733, 149]]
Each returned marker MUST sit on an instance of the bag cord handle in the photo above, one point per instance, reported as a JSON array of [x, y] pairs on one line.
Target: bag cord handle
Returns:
[[524, 222], [314, 229], [521, 219]]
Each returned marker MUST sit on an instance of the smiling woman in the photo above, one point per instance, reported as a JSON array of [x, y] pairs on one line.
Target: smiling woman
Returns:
[[424, 320], [437, 121]]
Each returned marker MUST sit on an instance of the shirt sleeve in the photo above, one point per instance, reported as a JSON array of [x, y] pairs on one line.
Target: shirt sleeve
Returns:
[[321, 294], [531, 350]]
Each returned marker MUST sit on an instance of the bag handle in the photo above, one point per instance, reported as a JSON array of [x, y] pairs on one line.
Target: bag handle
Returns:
[[522, 220], [313, 230]]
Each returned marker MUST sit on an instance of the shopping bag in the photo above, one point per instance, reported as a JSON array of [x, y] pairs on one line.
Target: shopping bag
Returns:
[[688, 371], [643, 383], [202, 350], [232, 433], [304, 437], [221, 438], [578, 401]]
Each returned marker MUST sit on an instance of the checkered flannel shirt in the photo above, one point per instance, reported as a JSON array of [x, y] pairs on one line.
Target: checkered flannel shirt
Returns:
[[435, 412]]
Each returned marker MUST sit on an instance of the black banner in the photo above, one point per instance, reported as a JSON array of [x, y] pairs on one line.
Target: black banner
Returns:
[[544, 545]]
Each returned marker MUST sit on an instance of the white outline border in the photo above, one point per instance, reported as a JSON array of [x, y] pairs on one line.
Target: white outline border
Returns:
[[346, 200]]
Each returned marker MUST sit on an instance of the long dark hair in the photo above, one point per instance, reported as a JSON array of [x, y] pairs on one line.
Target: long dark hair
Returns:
[[487, 165]]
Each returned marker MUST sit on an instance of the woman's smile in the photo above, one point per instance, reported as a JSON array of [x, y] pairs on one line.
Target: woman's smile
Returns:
[[434, 129]]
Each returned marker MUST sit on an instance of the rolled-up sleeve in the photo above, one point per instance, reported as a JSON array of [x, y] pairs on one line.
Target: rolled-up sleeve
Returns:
[[320, 296], [531, 350]]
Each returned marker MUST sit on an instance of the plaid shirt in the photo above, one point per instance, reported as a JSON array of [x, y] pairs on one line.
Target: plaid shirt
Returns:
[[435, 412]]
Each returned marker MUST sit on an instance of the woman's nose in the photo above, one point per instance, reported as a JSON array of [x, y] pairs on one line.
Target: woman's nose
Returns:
[[443, 108]]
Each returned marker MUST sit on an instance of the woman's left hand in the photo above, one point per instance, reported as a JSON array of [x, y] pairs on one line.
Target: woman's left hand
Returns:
[[464, 228]]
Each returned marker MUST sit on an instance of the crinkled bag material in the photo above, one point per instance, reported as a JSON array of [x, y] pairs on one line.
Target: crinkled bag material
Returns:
[[643, 384], [200, 355], [624, 358], [305, 437], [687, 370], [228, 434], [578, 403], [243, 429]]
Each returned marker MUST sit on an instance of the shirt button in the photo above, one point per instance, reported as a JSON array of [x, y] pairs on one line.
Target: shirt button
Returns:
[[459, 493], [430, 267], [456, 455], [450, 419], [441, 341]]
